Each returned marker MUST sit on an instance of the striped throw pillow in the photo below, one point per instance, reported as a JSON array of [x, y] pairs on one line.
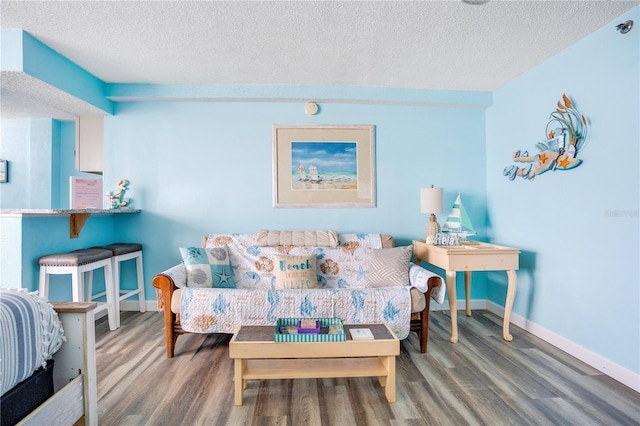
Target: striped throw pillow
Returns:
[[390, 267]]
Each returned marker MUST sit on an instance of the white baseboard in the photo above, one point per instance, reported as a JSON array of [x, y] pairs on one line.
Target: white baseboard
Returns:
[[617, 372], [475, 304], [132, 305]]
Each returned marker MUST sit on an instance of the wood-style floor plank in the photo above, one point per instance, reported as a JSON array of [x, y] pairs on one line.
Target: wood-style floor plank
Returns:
[[481, 380]]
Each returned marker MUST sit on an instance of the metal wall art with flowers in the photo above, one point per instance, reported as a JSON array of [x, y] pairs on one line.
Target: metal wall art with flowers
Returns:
[[566, 132]]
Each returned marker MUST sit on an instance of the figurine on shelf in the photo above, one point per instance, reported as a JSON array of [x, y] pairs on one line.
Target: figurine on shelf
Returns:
[[117, 200]]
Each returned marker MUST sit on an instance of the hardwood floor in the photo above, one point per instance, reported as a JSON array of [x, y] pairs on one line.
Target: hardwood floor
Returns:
[[481, 380]]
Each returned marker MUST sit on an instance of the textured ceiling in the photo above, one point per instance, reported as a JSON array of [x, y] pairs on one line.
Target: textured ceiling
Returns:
[[451, 45]]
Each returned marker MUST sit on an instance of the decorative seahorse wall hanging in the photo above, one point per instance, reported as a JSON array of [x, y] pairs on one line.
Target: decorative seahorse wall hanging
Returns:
[[566, 132]]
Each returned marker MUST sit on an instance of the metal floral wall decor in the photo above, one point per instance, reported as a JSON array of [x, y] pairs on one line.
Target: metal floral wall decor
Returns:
[[566, 132]]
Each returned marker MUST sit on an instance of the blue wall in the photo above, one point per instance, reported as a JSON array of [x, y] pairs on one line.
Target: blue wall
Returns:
[[29, 147], [579, 229], [203, 167], [41, 154]]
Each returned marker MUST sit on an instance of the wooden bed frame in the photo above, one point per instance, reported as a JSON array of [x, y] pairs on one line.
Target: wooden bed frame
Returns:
[[75, 400]]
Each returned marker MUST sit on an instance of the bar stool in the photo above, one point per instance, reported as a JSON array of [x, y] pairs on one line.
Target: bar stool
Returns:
[[77, 263], [123, 252]]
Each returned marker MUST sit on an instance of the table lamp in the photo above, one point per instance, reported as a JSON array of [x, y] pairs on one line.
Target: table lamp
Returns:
[[431, 202]]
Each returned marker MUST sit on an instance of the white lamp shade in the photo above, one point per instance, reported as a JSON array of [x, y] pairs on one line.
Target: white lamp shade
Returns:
[[431, 200]]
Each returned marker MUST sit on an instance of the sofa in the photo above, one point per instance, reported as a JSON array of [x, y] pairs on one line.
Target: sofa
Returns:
[[256, 278]]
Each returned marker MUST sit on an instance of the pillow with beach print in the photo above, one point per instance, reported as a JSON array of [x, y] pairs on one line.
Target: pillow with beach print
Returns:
[[295, 272], [208, 267]]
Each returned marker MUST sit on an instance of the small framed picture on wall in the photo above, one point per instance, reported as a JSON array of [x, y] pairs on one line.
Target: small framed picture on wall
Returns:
[[4, 171]]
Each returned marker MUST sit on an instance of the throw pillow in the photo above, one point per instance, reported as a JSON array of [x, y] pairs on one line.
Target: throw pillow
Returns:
[[390, 267], [295, 272], [265, 238], [207, 267]]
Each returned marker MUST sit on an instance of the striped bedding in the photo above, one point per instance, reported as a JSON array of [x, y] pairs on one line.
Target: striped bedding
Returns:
[[30, 333]]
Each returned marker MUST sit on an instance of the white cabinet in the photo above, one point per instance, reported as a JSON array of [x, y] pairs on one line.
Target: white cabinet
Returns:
[[90, 143]]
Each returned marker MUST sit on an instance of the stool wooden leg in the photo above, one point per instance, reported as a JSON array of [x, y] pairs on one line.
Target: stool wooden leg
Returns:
[[115, 265], [77, 286], [112, 299], [43, 287], [141, 299], [89, 286]]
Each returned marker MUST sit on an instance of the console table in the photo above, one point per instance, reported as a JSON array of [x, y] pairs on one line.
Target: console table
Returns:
[[475, 256]]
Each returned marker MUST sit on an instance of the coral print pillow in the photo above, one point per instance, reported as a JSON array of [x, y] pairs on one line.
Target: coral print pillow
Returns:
[[207, 267], [295, 272]]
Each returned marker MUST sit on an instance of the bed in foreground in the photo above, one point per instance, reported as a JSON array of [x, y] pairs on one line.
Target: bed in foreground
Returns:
[[47, 360]]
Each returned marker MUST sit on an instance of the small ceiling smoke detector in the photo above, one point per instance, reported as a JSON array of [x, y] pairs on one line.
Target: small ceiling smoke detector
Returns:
[[625, 27]]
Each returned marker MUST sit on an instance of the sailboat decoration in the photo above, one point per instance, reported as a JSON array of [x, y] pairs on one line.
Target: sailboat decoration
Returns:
[[458, 222]]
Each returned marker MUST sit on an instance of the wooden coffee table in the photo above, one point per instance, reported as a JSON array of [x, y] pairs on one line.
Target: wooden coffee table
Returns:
[[257, 356]]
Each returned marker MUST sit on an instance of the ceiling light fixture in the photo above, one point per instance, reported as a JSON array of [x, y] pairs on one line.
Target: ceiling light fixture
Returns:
[[625, 27]]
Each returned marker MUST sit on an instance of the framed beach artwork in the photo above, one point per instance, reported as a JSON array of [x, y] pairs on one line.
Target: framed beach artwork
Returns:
[[323, 166]]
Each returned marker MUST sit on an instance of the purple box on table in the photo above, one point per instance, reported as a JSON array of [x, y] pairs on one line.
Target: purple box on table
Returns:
[[308, 326]]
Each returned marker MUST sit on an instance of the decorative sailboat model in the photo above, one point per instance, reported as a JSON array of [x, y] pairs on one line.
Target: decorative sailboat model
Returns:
[[458, 222]]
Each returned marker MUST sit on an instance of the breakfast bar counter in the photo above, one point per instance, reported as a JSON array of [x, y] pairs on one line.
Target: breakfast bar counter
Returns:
[[77, 217], [28, 234], [61, 212]]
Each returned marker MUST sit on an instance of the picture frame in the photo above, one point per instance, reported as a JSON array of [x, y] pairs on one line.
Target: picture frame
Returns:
[[323, 166], [4, 171]]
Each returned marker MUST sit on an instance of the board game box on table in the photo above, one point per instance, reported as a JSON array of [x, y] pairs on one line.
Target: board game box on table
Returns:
[[331, 330]]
